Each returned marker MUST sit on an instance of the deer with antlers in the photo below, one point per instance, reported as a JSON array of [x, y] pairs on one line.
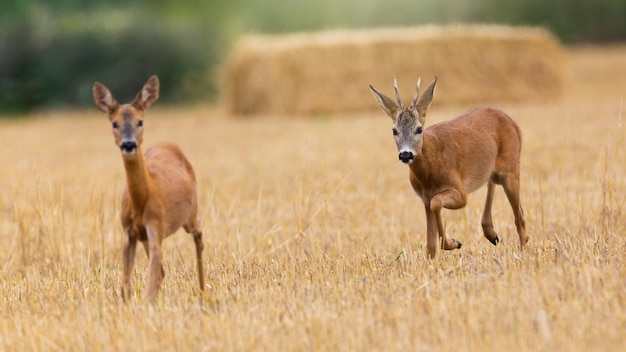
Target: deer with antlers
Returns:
[[450, 159], [161, 195]]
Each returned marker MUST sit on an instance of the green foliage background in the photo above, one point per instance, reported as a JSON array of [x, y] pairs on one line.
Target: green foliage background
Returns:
[[51, 52]]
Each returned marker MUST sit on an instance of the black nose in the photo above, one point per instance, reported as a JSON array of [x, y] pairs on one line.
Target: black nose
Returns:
[[406, 157], [128, 146]]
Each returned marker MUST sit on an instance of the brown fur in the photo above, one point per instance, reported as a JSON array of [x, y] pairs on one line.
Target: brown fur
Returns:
[[456, 157], [161, 194]]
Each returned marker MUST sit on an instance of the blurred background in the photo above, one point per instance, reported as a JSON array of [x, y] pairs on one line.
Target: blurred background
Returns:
[[51, 52]]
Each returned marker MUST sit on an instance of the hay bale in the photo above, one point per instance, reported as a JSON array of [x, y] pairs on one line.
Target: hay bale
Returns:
[[330, 71]]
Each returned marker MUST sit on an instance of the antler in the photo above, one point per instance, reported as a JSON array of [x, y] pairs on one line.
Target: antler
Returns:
[[395, 87], [417, 91]]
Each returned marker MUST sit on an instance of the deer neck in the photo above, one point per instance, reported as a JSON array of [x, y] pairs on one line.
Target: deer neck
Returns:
[[424, 159], [137, 180]]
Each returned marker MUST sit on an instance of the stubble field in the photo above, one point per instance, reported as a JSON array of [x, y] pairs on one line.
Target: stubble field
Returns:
[[314, 239]]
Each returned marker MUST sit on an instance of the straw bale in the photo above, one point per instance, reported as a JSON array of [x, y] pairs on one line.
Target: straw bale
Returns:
[[327, 72]]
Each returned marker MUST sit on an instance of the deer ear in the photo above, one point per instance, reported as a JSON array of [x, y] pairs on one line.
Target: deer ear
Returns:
[[148, 94], [389, 106], [425, 101], [103, 98]]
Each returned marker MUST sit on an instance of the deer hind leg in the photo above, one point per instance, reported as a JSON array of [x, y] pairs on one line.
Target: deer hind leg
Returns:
[[155, 266], [511, 189], [486, 221], [449, 199], [197, 238], [129, 261]]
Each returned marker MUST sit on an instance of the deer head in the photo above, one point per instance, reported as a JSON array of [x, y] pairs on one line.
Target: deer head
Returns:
[[408, 121], [127, 119]]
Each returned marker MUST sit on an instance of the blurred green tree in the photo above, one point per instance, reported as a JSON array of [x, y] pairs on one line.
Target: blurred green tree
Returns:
[[52, 51]]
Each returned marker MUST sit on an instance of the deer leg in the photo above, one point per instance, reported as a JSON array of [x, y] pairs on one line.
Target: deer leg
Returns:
[[486, 221], [129, 261], [146, 247], [155, 267], [431, 233], [197, 238], [449, 199], [193, 228], [511, 189]]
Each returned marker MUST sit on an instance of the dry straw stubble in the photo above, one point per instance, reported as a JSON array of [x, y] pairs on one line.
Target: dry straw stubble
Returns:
[[314, 238], [327, 72]]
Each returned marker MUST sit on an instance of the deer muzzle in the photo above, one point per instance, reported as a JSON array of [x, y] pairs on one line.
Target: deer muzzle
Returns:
[[128, 147], [406, 156]]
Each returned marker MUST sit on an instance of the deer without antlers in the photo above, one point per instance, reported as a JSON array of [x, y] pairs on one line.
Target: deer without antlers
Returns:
[[450, 159], [161, 195]]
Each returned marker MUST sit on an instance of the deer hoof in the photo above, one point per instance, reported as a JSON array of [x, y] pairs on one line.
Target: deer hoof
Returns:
[[451, 244], [494, 241]]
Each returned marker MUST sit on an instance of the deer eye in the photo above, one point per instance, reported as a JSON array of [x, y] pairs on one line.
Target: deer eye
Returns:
[[115, 125], [418, 130], [140, 123], [394, 131]]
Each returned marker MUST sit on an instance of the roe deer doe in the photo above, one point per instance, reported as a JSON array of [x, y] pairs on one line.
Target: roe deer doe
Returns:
[[450, 159], [161, 193]]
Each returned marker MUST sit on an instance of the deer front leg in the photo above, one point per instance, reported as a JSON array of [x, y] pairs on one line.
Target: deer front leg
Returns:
[[449, 199], [431, 233], [129, 261], [146, 247], [155, 267]]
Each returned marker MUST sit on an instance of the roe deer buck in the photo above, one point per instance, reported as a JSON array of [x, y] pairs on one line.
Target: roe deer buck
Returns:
[[450, 159], [161, 193]]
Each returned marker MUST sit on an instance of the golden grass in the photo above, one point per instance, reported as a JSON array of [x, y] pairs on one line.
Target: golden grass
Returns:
[[325, 72], [314, 239]]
